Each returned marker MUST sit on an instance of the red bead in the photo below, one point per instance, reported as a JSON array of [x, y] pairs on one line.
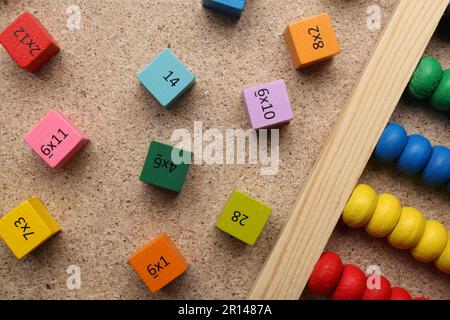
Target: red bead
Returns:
[[421, 298], [352, 284], [400, 294], [381, 292], [326, 274], [28, 43]]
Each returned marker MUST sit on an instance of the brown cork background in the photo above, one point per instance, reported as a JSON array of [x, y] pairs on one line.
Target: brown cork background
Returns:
[[106, 213]]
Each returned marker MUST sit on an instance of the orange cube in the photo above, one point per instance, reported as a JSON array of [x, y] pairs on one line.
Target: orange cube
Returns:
[[158, 263], [311, 40]]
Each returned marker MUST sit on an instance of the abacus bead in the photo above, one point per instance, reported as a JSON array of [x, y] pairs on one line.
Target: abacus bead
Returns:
[[325, 275], [400, 294], [409, 229], [351, 285], [426, 78], [360, 207], [443, 261], [391, 143], [437, 171], [385, 217], [415, 156], [383, 292], [441, 97], [432, 243]]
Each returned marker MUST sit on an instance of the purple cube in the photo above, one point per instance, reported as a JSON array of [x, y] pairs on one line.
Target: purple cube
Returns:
[[268, 105]]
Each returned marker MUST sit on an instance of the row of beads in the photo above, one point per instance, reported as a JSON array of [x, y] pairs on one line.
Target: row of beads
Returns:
[[331, 277], [414, 155], [405, 228], [429, 81]]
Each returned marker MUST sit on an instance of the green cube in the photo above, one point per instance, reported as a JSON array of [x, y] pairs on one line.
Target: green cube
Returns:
[[161, 171], [243, 217]]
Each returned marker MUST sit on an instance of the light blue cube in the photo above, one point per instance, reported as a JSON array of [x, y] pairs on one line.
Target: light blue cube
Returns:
[[166, 78], [230, 7]]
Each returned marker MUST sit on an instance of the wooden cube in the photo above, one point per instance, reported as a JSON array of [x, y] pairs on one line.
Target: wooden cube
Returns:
[[56, 139], [27, 226], [268, 105], [160, 169], [159, 262], [243, 217], [28, 42], [166, 78], [312, 40], [229, 7]]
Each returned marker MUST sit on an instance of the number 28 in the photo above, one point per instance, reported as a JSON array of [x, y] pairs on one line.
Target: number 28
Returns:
[[239, 217]]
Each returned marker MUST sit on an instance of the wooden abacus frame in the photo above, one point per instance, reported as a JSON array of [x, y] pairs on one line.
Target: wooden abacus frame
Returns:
[[348, 149]]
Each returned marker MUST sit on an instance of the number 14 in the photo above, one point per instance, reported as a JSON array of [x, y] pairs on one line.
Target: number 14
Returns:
[[173, 81]]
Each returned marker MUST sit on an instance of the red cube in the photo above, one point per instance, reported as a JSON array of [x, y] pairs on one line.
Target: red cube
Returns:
[[28, 42]]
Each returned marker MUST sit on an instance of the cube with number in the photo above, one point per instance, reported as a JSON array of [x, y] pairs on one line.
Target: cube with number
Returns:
[[166, 78], [162, 169], [27, 226], [229, 7], [28, 42], [312, 40], [268, 105], [159, 262], [56, 139], [243, 217]]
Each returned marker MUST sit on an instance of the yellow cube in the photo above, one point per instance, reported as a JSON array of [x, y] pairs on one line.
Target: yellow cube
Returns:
[[27, 226]]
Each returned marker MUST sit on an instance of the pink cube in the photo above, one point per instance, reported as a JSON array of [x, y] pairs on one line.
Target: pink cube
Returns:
[[268, 105], [56, 139]]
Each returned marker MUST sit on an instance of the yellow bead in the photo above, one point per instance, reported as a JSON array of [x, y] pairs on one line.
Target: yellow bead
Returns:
[[385, 217], [443, 262], [432, 243], [360, 207], [409, 229]]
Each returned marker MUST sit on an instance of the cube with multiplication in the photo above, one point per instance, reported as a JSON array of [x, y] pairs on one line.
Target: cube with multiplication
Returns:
[[27, 226], [159, 262], [56, 139], [311, 40], [28, 42], [268, 105]]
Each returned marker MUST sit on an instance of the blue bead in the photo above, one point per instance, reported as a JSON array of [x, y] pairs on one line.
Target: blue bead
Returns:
[[391, 144], [416, 155], [230, 7], [437, 171], [448, 187]]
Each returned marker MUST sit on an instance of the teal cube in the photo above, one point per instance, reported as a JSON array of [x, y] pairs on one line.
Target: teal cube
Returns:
[[162, 169], [166, 78]]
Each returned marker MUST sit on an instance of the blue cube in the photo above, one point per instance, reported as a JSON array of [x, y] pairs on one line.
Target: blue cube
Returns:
[[166, 78], [230, 7]]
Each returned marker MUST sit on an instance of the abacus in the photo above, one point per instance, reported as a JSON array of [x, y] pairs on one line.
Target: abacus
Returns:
[[348, 149], [331, 278]]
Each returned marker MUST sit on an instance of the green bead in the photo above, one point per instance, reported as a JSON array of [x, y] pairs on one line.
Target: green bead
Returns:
[[426, 78], [441, 97], [161, 170]]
